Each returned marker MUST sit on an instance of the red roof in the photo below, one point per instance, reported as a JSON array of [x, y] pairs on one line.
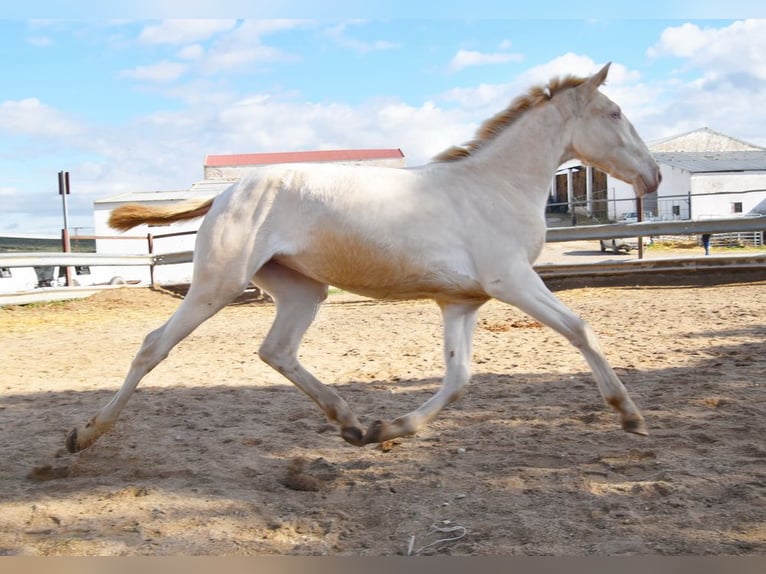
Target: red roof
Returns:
[[301, 156]]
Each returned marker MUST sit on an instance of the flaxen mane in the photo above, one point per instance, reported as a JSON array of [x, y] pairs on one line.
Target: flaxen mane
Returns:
[[494, 125]]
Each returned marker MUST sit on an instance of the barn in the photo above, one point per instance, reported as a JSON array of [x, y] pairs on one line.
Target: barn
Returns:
[[705, 175], [219, 172]]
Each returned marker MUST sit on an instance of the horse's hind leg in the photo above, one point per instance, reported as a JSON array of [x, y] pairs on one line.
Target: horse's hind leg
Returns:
[[459, 324], [525, 290], [201, 302], [297, 300]]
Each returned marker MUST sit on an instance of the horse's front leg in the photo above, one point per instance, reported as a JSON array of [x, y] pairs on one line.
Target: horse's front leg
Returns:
[[525, 290], [459, 324]]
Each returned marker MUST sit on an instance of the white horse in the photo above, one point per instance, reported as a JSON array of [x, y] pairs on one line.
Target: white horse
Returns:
[[460, 230]]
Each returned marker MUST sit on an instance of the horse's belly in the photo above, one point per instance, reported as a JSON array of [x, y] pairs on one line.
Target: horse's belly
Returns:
[[384, 275]]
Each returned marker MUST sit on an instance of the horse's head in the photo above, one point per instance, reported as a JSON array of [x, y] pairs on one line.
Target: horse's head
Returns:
[[604, 138]]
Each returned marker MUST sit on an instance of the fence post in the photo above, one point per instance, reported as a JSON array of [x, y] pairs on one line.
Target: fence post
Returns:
[[65, 245], [640, 217], [150, 241], [66, 248]]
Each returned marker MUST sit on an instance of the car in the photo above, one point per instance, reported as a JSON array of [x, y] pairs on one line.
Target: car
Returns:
[[619, 245], [628, 217]]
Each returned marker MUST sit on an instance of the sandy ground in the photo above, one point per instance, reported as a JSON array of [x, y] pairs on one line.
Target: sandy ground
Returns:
[[217, 454]]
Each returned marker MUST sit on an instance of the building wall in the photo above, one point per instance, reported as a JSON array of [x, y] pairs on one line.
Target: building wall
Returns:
[[163, 275], [622, 198], [728, 185], [681, 195], [673, 194]]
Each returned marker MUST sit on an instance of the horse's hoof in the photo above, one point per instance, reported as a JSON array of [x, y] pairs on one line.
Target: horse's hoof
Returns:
[[635, 425], [375, 432], [71, 441], [353, 435]]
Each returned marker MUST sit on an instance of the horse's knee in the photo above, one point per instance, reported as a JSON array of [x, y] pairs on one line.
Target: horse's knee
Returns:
[[153, 349], [273, 356], [579, 333]]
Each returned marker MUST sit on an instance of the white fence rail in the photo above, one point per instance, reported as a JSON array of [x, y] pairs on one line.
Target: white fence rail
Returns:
[[558, 234], [72, 259], [655, 228]]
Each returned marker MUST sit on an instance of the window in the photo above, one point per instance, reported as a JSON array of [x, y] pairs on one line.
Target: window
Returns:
[[677, 210], [5, 272], [736, 207]]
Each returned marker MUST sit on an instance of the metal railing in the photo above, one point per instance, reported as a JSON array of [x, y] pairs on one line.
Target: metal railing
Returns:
[[558, 234], [656, 228]]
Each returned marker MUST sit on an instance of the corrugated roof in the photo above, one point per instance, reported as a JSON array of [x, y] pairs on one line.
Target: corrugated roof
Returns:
[[714, 162], [301, 156]]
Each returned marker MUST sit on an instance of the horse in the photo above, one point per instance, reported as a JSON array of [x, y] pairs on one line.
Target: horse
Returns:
[[460, 230]]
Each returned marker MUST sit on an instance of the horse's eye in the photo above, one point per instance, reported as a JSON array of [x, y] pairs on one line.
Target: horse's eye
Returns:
[[615, 115]]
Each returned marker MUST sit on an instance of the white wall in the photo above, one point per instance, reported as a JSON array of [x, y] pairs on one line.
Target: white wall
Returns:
[[622, 197], [706, 207], [674, 191], [678, 183], [164, 274]]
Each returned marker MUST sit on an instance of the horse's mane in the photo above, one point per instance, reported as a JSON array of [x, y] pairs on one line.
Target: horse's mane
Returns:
[[489, 130]]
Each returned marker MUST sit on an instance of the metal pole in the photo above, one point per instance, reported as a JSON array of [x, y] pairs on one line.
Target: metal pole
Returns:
[[640, 217], [66, 246], [150, 240], [570, 196]]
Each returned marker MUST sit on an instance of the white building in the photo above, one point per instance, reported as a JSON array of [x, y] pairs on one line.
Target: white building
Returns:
[[220, 171], [694, 166]]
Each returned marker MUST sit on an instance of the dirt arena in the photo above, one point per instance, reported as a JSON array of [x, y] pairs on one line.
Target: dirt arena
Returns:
[[216, 454]]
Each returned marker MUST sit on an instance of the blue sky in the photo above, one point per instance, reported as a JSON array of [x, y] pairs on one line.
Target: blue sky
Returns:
[[136, 103]]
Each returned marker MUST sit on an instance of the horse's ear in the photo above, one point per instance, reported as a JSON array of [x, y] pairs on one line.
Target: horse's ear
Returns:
[[599, 77]]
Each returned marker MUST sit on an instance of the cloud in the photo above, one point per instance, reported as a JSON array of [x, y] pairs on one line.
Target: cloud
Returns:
[[718, 83], [566, 64], [30, 117], [185, 31], [191, 52], [265, 123], [209, 47], [241, 57], [468, 58], [40, 41], [720, 52], [243, 47], [161, 72], [339, 34], [491, 98]]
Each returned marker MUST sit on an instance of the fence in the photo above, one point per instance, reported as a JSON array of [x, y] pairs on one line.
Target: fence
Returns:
[[718, 227], [599, 208]]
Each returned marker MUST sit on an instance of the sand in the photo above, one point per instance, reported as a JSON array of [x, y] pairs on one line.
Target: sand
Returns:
[[217, 454]]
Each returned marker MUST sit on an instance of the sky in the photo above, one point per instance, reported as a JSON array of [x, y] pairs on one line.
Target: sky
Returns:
[[135, 101]]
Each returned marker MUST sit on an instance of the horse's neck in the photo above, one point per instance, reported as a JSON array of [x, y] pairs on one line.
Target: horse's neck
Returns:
[[528, 152]]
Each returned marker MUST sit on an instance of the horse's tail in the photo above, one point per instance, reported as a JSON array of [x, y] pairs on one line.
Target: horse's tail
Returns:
[[128, 216]]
